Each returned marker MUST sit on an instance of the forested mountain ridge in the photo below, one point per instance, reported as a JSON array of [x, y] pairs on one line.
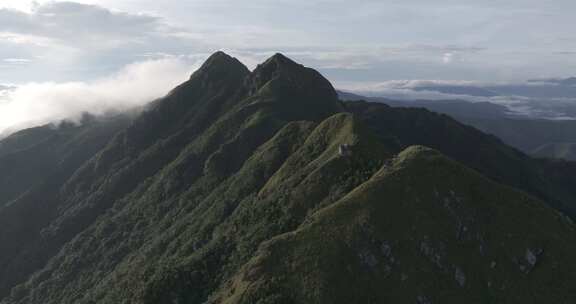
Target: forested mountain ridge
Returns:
[[263, 187], [538, 137]]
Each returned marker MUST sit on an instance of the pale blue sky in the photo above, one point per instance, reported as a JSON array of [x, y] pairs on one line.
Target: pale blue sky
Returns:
[[61, 59], [352, 42]]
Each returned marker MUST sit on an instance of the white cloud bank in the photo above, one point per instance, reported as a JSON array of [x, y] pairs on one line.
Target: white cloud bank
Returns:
[[134, 85]]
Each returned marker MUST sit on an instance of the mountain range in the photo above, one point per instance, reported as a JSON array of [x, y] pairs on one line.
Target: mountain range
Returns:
[[263, 186], [542, 138]]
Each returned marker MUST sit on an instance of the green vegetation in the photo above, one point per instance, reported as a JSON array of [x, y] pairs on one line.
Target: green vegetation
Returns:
[[233, 189], [473, 148], [423, 228]]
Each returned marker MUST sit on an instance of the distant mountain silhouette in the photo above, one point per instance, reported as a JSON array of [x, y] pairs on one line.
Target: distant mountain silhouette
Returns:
[[457, 108], [571, 81], [557, 150], [528, 135]]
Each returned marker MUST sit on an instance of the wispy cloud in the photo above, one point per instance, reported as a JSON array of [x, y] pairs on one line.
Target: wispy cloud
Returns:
[[135, 85], [70, 21], [448, 58], [70, 40], [16, 60]]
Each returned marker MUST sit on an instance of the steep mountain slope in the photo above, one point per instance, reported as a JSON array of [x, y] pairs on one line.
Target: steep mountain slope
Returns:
[[188, 166], [409, 235], [38, 224], [535, 137], [34, 163], [29, 157], [174, 208], [475, 149]]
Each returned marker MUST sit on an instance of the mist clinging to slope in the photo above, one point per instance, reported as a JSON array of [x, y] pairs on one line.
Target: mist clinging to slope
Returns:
[[134, 85]]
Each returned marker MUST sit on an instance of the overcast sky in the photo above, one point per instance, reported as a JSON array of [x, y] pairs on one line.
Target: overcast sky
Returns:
[[59, 59], [349, 41]]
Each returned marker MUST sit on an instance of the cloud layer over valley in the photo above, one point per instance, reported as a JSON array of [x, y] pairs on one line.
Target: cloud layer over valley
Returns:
[[534, 99]]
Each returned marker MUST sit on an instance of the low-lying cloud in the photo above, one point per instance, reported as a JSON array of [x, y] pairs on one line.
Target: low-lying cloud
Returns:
[[134, 85], [534, 100]]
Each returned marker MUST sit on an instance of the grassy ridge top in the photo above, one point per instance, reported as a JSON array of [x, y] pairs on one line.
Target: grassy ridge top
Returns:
[[423, 228]]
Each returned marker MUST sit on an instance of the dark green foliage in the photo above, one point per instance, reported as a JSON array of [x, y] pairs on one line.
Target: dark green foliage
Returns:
[[30, 156], [537, 137], [541, 138], [36, 163], [475, 149], [175, 206], [401, 238]]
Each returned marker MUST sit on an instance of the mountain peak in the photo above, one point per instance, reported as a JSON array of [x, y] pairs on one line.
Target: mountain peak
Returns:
[[298, 88], [280, 60], [219, 57], [280, 68], [222, 65], [277, 64]]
